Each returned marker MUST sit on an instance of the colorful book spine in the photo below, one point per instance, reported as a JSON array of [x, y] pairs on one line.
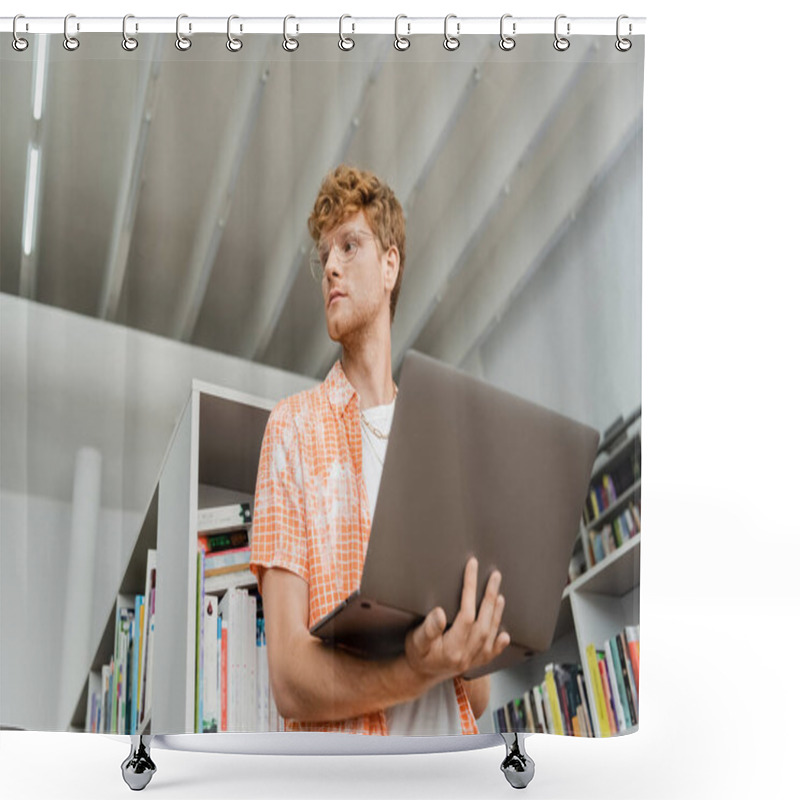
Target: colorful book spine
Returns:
[[601, 710], [629, 685], [223, 683], [210, 679], [219, 542], [553, 699], [230, 516], [607, 694], [632, 637], [617, 685], [198, 639]]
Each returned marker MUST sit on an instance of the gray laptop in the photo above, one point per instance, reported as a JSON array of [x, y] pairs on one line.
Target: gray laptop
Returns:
[[469, 470]]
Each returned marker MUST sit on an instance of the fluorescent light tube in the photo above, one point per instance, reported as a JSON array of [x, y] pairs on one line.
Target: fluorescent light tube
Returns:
[[40, 72], [31, 187]]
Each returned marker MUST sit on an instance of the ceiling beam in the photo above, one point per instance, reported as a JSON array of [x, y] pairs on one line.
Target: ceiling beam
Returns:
[[575, 158], [483, 195], [242, 118], [131, 183], [288, 255]]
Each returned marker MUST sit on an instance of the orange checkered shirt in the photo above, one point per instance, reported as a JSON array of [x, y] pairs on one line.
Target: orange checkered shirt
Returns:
[[312, 514]]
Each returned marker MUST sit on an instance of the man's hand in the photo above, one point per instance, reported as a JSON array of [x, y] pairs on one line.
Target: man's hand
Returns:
[[471, 642]]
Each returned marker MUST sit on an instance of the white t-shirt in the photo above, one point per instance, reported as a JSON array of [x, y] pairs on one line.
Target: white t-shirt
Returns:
[[436, 712]]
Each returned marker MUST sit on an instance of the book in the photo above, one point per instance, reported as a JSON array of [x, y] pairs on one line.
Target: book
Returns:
[[630, 688], [148, 632], [105, 681], [136, 660], [538, 706], [216, 542], [223, 518], [632, 638], [150, 643], [551, 690], [226, 561], [530, 724], [600, 705], [617, 682], [210, 677], [611, 710], [584, 706], [198, 641], [223, 675]]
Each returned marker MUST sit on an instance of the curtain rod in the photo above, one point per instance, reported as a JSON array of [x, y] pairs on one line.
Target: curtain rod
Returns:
[[405, 26]]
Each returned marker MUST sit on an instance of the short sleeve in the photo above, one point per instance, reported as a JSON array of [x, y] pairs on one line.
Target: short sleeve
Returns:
[[279, 530]]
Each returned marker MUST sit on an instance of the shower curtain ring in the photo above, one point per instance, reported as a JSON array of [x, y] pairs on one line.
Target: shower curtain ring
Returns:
[[18, 43], [182, 42], [451, 42], [70, 42], [507, 42], [623, 45], [401, 42], [290, 44], [233, 44], [561, 43], [129, 43], [346, 43]]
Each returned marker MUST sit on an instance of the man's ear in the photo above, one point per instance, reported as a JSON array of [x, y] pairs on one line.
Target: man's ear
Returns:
[[392, 267]]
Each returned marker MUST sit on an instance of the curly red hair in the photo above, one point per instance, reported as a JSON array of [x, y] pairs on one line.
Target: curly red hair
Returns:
[[346, 191]]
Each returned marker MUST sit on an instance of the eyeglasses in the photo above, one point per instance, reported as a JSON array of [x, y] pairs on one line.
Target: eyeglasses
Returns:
[[346, 243]]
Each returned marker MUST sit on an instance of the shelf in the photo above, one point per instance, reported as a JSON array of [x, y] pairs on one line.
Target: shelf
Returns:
[[616, 575], [609, 462], [619, 504]]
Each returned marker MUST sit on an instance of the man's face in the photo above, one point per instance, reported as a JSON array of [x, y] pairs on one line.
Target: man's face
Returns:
[[356, 274]]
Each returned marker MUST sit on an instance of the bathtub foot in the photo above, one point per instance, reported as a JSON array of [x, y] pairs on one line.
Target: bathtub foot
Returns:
[[518, 766], [138, 768]]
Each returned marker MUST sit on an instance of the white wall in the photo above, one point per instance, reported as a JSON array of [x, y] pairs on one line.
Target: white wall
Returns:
[[572, 339], [67, 381]]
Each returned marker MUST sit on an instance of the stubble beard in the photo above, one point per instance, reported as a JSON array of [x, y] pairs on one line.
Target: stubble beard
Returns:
[[352, 331]]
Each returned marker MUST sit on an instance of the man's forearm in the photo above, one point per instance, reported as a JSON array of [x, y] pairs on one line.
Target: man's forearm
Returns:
[[316, 683]]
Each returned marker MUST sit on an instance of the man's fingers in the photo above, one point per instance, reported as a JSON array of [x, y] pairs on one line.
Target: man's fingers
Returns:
[[489, 602], [469, 590], [431, 628], [502, 641]]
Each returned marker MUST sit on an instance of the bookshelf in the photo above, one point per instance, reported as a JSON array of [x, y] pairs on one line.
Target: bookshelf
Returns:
[[211, 460], [600, 602]]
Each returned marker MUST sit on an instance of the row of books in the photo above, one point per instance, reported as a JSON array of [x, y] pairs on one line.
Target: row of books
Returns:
[[614, 534], [606, 488], [614, 674], [120, 702], [558, 705], [562, 704], [232, 671]]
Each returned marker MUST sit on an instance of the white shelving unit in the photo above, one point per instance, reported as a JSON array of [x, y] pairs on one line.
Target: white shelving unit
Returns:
[[211, 460]]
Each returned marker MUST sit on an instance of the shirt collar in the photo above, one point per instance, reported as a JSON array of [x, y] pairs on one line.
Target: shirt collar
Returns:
[[340, 390]]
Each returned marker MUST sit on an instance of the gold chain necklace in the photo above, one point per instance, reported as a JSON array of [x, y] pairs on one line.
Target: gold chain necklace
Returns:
[[377, 431]]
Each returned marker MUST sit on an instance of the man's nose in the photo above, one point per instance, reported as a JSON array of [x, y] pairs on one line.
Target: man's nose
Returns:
[[333, 264]]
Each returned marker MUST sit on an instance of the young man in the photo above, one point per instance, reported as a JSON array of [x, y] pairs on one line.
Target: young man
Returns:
[[321, 461]]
